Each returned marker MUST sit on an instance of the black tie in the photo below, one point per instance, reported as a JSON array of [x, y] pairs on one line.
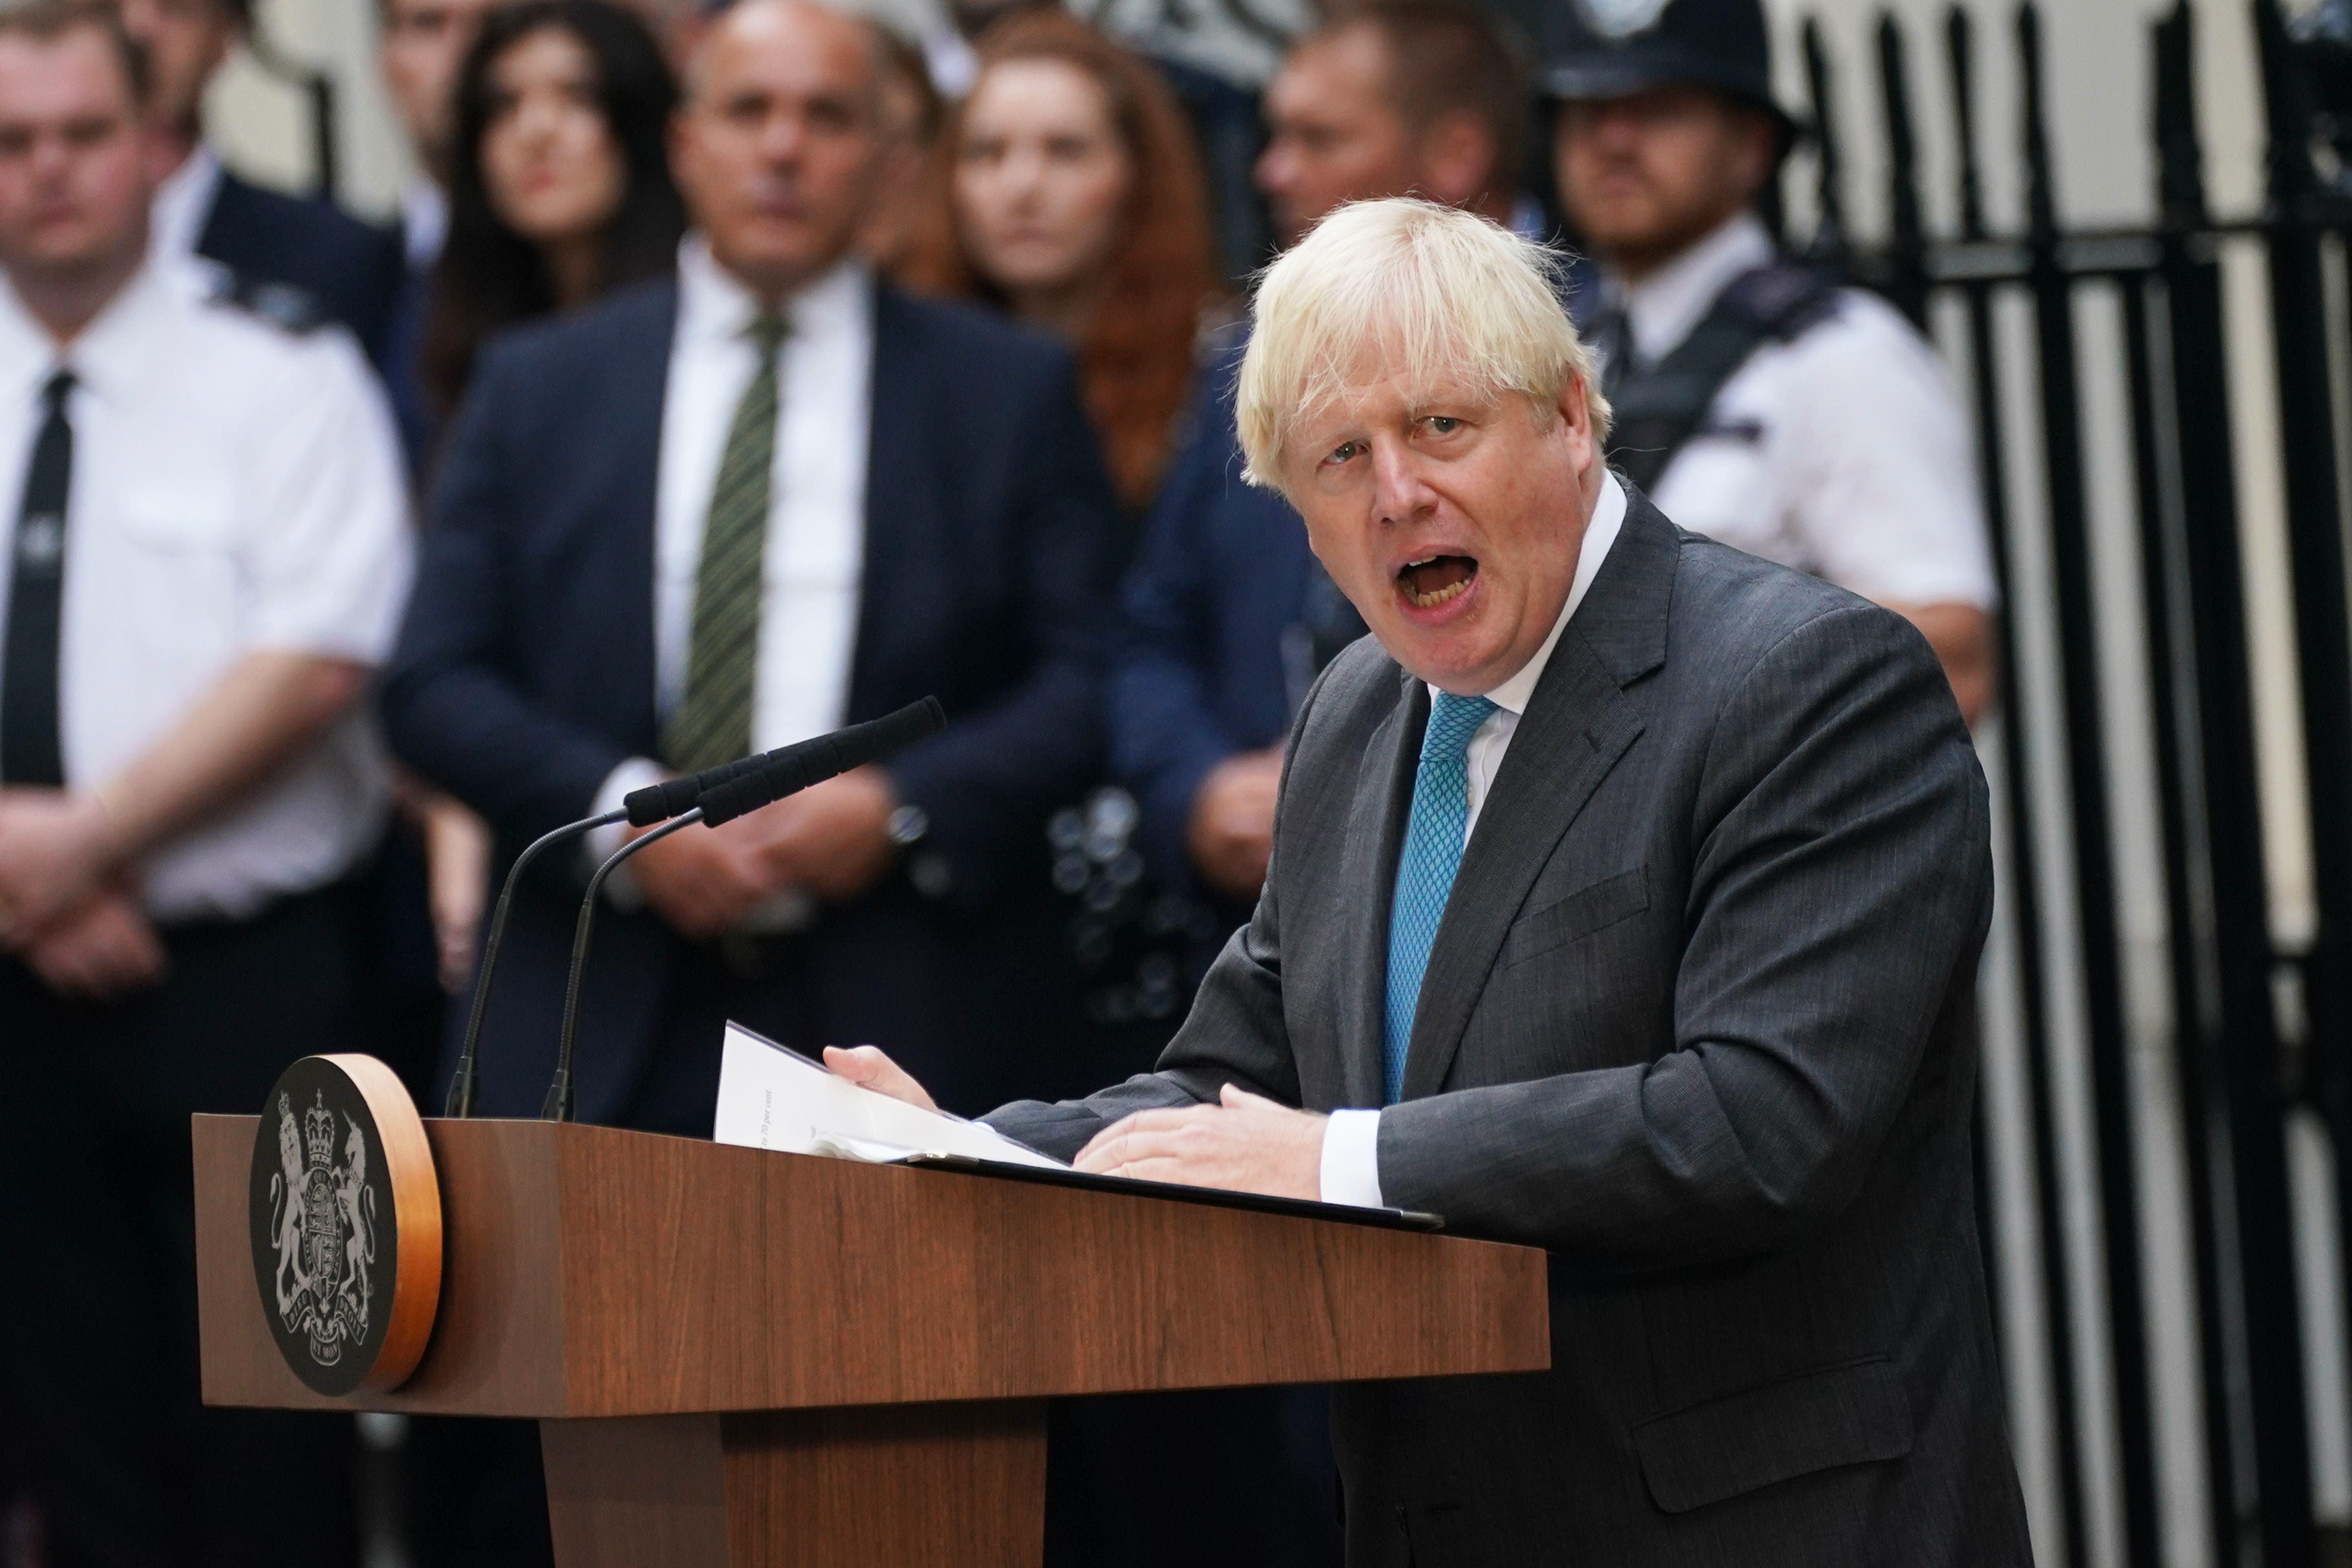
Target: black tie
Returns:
[[1612, 340], [30, 749]]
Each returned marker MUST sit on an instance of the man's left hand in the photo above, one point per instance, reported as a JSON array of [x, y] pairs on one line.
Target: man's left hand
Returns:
[[1245, 1143], [55, 852], [834, 839]]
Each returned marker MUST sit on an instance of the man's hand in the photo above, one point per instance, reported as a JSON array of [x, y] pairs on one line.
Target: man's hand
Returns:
[[1230, 835], [834, 839], [55, 852], [705, 881], [101, 949], [458, 884], [1245, 1144], [867, 1067]]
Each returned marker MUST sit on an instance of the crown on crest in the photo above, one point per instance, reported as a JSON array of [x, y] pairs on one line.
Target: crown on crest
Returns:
[[318, 1133]]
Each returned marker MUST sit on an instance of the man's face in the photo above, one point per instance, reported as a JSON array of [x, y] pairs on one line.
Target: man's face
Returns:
[[1335, 137], [424, 42], [777, 149], [1644, 177], [76, 167], [1451, 522], [187, 40]]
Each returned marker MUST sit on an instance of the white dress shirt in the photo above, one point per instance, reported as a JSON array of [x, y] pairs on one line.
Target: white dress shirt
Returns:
[[183, 201], [1843, 452], [423, 223], [815, 562], [1352, 1141], [237, 488]]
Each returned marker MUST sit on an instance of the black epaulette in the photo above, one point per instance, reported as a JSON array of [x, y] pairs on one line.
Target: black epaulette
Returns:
[[282, 305]]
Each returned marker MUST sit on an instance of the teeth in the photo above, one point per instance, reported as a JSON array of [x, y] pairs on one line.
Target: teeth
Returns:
[[1444, 595], [1424, 561]]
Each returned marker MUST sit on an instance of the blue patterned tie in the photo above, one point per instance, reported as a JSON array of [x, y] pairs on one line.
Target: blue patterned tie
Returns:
[[1432, 853]]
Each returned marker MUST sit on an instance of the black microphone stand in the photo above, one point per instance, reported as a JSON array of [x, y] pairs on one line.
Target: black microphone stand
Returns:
[[557, 1107], [460, 1102]]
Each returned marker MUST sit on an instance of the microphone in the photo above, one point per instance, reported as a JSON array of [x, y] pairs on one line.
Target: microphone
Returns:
[[793, 768], [751, 783], [660, 801]]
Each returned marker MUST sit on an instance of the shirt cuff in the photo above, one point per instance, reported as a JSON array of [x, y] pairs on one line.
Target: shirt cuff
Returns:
[[1351, 1159], [597, 844]]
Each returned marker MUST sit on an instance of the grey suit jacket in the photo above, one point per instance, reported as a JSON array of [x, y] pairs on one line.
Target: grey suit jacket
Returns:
[[1698, 1022]]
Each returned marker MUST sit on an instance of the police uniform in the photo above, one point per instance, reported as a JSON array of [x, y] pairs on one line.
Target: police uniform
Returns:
[[1835, 445], [1756, 404], [203, 476]]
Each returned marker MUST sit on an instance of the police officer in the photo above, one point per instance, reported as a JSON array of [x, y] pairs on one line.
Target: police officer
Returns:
[[1756, 405], [206, 556]]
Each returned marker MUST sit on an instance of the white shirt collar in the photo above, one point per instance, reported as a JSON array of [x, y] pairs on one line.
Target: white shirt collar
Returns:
[[185, 200], [1600, 534], [1664, 308], [111, 355], [424, 222], [713, 306]]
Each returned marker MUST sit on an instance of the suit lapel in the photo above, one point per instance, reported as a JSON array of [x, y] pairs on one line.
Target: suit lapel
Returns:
[[1578, 725], [899, 505], [1368, 880], [632, 434]]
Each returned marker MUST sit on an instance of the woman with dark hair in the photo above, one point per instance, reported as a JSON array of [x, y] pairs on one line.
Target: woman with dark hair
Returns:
[[558, 190], [1067, 191], [560, 184]]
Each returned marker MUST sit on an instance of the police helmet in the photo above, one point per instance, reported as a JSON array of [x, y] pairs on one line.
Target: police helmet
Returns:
[[1610, 48]]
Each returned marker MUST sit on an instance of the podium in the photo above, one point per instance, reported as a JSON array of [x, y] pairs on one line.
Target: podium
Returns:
[[742, 1359]]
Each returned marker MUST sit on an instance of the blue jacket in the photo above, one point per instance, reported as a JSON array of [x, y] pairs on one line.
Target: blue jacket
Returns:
[[526, 670], [1200, 671]]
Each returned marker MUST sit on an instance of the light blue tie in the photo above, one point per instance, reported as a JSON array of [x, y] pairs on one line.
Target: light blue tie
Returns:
[[1434, 839]]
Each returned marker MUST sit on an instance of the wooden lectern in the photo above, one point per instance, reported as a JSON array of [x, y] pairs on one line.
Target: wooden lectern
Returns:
[[741, 1358]]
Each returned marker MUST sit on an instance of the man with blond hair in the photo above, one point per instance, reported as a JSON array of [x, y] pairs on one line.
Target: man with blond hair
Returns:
[[1626, 899]]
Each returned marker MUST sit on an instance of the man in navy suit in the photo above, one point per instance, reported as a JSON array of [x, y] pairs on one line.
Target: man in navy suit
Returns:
[[345, 270], [1227, 618], [720, 513]]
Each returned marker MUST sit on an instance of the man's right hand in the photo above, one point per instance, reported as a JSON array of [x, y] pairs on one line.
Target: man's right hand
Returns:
[[705, 880], [867, 1067], [1232, 832], [100, 949]]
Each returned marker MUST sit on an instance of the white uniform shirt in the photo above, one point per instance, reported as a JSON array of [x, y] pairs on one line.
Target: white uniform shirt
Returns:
[[1843, 452], [815, 558], [237, 488], [1352, 1141]]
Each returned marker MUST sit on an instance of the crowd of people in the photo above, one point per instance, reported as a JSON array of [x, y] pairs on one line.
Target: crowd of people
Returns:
[[728, 378]]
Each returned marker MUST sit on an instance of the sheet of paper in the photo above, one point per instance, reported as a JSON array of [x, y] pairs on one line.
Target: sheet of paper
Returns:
[[771, 1098]]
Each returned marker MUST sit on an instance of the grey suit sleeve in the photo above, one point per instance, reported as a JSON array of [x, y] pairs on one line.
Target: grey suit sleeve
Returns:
[[1840, 883], [1235, 1034]]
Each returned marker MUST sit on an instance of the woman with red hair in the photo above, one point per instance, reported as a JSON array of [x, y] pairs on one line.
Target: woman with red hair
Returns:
[[1068, 193]]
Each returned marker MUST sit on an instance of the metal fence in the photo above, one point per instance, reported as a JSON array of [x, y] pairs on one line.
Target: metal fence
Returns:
[[2254, 1030]]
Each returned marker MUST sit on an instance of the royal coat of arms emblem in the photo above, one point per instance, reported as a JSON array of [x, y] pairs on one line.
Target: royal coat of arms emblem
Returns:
[[323, 1231], [346, 1224]]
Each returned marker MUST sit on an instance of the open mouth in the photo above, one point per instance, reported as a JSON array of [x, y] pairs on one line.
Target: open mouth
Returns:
[[1435, 580]]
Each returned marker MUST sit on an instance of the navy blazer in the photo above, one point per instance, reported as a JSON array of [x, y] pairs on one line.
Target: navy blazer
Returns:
[[1198, 671], [351, 270], [526, 668]]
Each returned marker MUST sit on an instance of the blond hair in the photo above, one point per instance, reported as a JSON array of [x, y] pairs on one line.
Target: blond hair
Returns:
[[1441, 294]]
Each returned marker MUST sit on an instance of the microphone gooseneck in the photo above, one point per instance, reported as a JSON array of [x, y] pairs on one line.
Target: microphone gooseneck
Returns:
[[558, 1105], [460, 1102]]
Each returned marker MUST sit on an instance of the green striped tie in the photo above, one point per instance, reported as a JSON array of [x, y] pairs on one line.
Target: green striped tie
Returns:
[[713, 722]]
